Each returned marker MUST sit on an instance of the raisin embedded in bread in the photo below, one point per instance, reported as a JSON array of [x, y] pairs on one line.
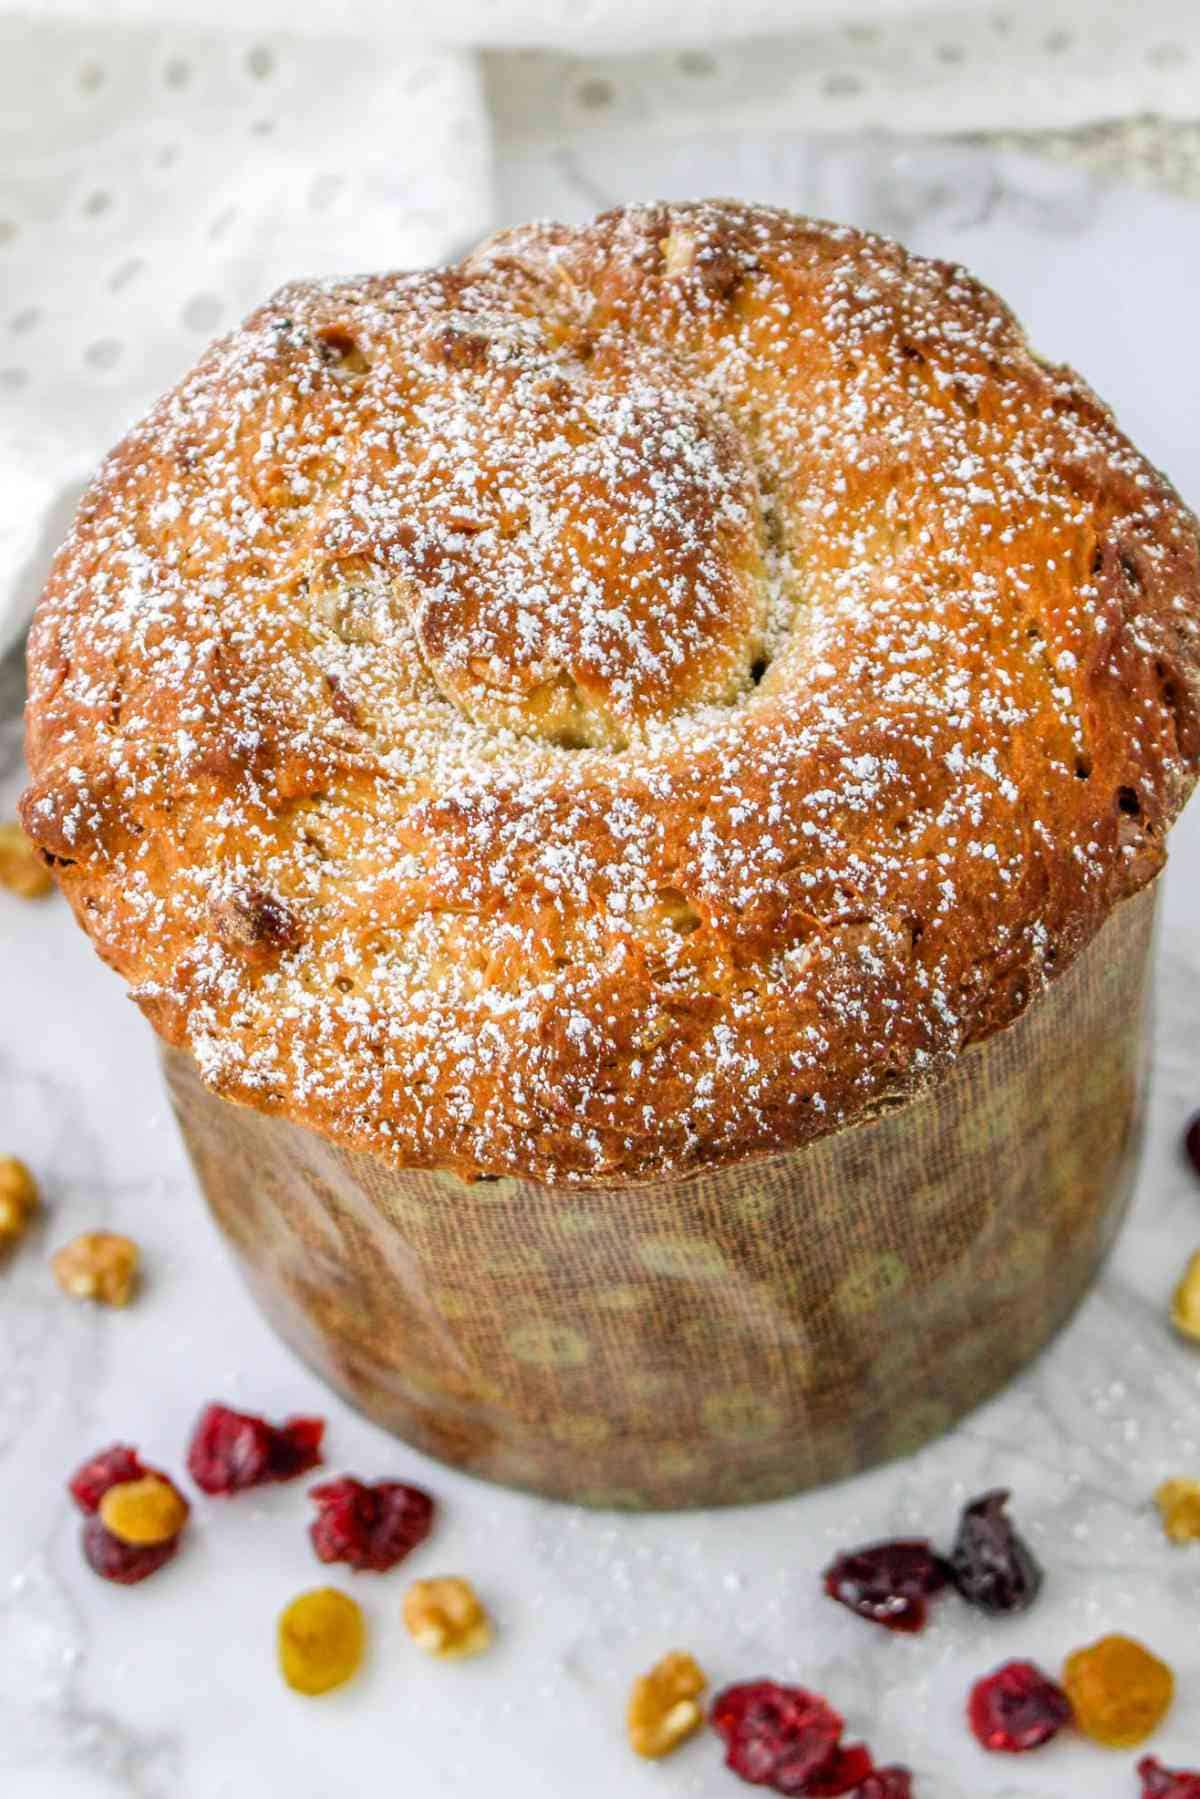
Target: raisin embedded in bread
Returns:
[[645, 696]]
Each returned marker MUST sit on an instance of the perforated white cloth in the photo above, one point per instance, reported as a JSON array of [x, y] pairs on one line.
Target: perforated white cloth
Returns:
[[165, 163], [155, 184]]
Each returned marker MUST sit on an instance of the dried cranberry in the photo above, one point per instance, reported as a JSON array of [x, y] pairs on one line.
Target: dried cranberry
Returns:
[[296, 1448], [1017, 1708], [886, 1783], [125, 1563], [1167, 1783], [776, 1736], [992, 1567], [888, 1582], [231, 1451], [369, 1526], [1191, 1142], [107, 1468], [844, 1773]]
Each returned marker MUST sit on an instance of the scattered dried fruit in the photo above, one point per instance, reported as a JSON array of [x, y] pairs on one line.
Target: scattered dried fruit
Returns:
[[91, 1481], [144, 1511], [1167, 1783], [1119, 1691], [231, 1451], [776, 1736], [993, 1568], [1185, 1307], [108, 1472], [1016, 1708], [886, 1783], [124, 1563], [99, 1265], [369, 1525], [445, 1617], [18, 1199], [22, 870], [664, 1707], [1179, 1503], [889, 1583], [1191, 1142], [845, 1772], [321, 1641]]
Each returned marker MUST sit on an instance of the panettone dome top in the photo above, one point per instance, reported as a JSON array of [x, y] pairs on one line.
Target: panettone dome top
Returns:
[[639, 698]]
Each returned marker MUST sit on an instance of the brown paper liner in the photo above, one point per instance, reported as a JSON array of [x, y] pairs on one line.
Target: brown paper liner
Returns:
[[733, 1336]]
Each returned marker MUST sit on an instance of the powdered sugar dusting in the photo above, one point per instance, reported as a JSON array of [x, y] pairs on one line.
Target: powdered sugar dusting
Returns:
[[640, 698]]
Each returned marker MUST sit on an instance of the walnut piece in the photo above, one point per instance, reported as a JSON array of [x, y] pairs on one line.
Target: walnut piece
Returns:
[[1185, 1307], [22, 870], [445, 1617], [678, 252], [664, 1705], [1179, 1503], [98, 1265], [18, 1199], [257, 924]]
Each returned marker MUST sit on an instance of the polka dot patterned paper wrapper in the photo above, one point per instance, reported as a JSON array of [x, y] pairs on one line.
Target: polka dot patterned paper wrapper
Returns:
[[727, 1337]]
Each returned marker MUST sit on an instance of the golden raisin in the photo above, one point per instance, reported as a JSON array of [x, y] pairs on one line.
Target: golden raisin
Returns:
[[22, 870], [1179, 1503], [1185, 1307], [18, 1199], [1119, 1692], [99, 1265], [446, 1618], [664, 1708], [142, 1511], [321, 1639]]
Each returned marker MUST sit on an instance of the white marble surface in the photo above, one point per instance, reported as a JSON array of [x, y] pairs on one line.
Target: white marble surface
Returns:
[[169, 1691]]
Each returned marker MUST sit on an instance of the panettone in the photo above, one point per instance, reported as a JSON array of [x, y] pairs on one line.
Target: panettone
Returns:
[[619, 712]]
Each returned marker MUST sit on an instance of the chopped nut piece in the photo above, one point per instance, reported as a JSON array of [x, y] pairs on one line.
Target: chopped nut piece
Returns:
[[149, 1510], [22, 870], [1179, 1503], [321, 1641], [663, 1705], [678, 252], [446, 1618], [257, 924], [18, 1199], [1185, 1307], [99, 1265]]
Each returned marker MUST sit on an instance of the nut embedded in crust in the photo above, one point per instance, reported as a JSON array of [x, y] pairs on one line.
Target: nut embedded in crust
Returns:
[[257, 924]]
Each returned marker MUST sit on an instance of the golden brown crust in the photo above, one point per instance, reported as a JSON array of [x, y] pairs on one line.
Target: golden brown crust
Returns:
[[643, 697]]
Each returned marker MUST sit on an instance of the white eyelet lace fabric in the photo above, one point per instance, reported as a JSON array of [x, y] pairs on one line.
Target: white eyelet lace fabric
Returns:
[[1012, 65], [165, 163], [155, 185]]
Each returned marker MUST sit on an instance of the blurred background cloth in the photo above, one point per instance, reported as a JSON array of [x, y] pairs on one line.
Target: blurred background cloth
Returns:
[[164, 164]]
